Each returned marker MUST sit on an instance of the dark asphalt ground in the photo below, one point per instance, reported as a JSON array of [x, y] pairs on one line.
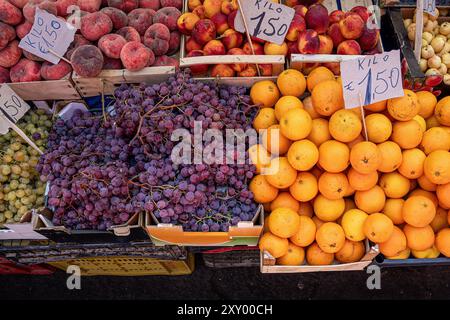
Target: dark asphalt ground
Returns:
[[237, 283]]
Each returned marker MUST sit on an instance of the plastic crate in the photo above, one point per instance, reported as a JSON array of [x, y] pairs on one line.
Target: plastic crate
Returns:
[[232, 257], [129, 266], [8, 268], [381, 261]]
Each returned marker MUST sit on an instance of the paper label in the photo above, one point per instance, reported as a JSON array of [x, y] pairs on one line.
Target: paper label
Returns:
[[12, 104]]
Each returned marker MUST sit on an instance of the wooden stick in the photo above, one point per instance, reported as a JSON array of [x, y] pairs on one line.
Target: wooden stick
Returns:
[[363, 116], [249, 38], [419, 30], [21, 133], [56, 54]]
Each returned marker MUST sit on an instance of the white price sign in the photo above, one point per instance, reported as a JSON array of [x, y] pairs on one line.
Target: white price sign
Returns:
[[49, 33], [429, 6], [369, 79], [265, 19], [4, 125], [11, 103]]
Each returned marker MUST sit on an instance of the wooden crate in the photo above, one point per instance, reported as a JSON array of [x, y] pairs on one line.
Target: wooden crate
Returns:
[[63, 89]]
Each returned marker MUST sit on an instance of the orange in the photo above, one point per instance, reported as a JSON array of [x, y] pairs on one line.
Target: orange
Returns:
[[316, 257], [327, 97], [285, 104], [362, 182], [440, 220], [294, 256], [427, 102], [304, 187], [345, 125], [334, 156], [419, 238], [330, 237], [296, 124], [264, 93], [443, 194], [371, 200], [402, 255], [404, 108], [365, 157], [276, 246], [317, 171], [259, 157], [285, 200], [333, 185], [391, 156], [306, 209], [436, 138], [407, 134], [426, 184], [284, 222], [358, 139], [379, 127], [422, 122], [274, 141], [412, 164], [318, 75], [437, 167], [393, 209], [264, 119], [266, 225], [262, 191], [351, 252], [432, 122], [306, 233], [319, 132], [350, 191], [378, 228], [442, 111], [376, 106], [426, 194], [303, 155], [353, 222], [266, 207], [291, 83], [443, 242], [395, 244], [317, 222], [430, 253], [349, 204], [308, 106], [328, 210], [394, 185], [280, 174], [418, 211]]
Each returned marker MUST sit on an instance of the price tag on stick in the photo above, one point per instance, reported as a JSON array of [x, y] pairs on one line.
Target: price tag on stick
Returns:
[[265, 19], [429, 6], [369, 79], [11, 103], [49, 38]]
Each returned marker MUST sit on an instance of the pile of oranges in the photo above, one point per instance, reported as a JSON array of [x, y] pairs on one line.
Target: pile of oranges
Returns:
[[330, 182]]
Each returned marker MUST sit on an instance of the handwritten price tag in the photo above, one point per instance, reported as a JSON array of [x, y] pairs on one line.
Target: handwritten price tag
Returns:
[[48, 33], [370, 79], [265, 19], [4, 125], [429, 6], [11, 103]]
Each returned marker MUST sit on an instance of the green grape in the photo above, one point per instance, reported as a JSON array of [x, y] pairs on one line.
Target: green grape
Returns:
[[16, 146], [40, 190], [10, 220], [16, 169], [17, 204], [22, 185], [2, 217], [40, 201], [14, 184], [17, 217], [19, 156], [5, 170], [32, 197], [28, 191], [8, 214], [2, 207], [20, 193], [3, 178], [6, 189], [11, 196], [34, 118], [9, 152], [2, 196], [25, 200], [7, 158], [14, 176]]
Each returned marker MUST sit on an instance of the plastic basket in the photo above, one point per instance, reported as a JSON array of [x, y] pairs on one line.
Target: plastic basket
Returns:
[[8, 268], [232, 257]]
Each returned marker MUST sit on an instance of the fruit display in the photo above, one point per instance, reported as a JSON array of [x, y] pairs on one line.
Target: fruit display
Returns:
[[21, 189], [104, 167], [329, 188]]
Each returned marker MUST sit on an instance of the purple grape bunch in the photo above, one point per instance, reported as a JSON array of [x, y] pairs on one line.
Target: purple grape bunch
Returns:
[[104, 167]]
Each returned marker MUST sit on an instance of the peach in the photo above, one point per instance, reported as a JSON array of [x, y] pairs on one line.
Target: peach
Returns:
[[308, 67], [335, 67], [25, 71], [349, 47], [10, 55], [214, 47], [369, 39], [335, 34], [363, 12], [191, 45], [228, 6], [129, 33], [256, 39], [258, 48], [9, 13], [200, 12], [23, 29], [31, 56], [7, 34], [167, 16], [150, 4], [317, 18], [222, 70], [186, 22], [29, 9], [275, 49], [204, 31], [238, 67], [232, 39], [62, 7], [140, 19], [220, 21], [298, 25], [4, 75], [372, 52], [231, 18], [118, 18], [172, 3], [192, 4], [87, 61], [326, 44], [157, 38], [124, 5], [336, 16], [111, 45], [250, 71], [291, 3], [301, 9], [95, 25], [18, 3], [112, 64], [174, 42], [135, 56], [292, 47], [308, 42], [212, 7], [352, 26], [198, 68], [265, 69], [78, 40], [89, 5], [166, 61], [50, 71]]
